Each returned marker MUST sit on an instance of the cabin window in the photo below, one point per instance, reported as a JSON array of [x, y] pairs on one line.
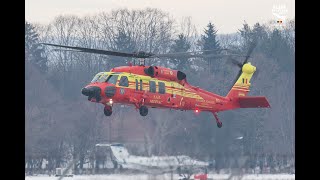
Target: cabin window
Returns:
[[141, 84], [162, 88], [124, 81], [112, 79], [137, 85], [152, 86]]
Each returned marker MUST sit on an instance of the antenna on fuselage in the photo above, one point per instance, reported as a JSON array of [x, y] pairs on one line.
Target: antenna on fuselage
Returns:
[[139, 62]]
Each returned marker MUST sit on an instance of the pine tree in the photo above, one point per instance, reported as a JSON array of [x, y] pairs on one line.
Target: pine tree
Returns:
[[123, 43], [180, 45], [247, 36], [33, 50], [210, 42], [275, 45], [256, 34], [279, 49]]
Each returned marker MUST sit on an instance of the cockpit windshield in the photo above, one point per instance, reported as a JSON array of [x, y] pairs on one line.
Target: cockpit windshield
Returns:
[[100, 77], [97, 76], [112, 79]]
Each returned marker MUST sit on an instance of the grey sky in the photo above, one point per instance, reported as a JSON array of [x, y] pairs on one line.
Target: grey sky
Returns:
[[227, 15]]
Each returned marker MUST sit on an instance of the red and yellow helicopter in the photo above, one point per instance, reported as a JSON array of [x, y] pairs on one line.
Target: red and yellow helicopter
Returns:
[[159, 87]]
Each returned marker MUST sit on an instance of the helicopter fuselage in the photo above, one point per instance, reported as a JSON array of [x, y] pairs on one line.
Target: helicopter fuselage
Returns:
[[162, 91], [158, 87]]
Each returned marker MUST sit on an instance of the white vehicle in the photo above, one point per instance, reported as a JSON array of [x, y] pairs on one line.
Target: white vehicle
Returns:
[[63, 172], [153, 164]]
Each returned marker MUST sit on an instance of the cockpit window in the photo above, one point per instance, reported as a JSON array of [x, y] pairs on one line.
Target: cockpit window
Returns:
[[96, 77], [112, 79], [100, 77]]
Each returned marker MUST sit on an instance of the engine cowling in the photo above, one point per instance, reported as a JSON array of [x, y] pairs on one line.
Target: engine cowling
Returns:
[[166, 73]]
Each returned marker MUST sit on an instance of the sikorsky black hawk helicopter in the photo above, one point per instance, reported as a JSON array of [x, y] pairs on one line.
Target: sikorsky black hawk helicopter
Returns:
[[152, 86]]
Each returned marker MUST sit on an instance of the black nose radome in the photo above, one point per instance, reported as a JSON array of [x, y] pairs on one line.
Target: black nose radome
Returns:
[[86, 91], [90, 91]]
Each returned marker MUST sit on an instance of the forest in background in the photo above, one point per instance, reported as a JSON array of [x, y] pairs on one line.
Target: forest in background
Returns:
[[60, 124]]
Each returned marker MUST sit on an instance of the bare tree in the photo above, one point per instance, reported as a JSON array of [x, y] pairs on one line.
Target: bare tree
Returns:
[[150, 29]]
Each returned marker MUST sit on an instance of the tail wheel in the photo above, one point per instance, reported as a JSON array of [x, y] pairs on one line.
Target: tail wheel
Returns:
[[219, 123], [143, 110], [107, 110]]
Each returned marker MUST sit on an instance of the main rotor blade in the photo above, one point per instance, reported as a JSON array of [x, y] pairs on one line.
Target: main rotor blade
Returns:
[[104, 52], [186, 54], [194, 54], [234, 62], [68, 50], [221, 55]]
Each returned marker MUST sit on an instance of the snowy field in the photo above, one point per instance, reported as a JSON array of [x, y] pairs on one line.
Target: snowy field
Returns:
[[165, 177]]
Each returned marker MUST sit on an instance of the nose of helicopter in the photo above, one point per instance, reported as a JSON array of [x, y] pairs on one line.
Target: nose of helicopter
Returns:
[[86, 91], [91, 91]]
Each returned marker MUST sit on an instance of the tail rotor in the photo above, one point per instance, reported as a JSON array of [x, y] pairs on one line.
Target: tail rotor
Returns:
[[239, 64]]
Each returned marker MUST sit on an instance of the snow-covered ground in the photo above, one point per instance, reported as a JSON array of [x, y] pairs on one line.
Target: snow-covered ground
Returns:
[[164, 177]]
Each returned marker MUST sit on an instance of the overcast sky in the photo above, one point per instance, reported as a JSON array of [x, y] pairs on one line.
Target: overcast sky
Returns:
[[227, 15]]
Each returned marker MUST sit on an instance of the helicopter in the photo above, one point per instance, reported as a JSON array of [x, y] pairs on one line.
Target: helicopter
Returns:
[[151, 86]]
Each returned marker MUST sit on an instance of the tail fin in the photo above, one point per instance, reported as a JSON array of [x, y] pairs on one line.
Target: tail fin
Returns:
[[242, 85], [240, 90]]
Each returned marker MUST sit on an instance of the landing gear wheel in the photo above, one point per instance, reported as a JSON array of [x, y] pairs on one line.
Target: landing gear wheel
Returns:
[[219, 124], [143, 110], [107, 110]]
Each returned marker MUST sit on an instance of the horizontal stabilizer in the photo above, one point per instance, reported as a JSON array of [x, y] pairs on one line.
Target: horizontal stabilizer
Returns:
[[254, 102]]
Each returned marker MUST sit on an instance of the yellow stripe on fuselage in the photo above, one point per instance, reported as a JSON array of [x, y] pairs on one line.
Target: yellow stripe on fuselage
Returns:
[[172, 87], [241, 89]]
